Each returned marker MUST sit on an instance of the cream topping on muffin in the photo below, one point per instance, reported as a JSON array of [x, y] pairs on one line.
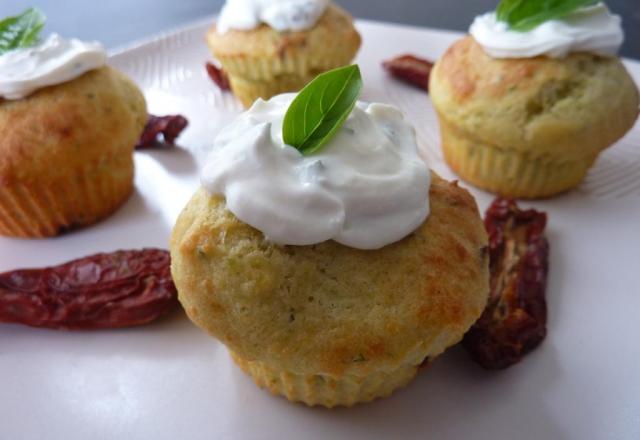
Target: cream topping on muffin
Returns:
[[282, 15], [589, 29], [53, 61], [366, 188]]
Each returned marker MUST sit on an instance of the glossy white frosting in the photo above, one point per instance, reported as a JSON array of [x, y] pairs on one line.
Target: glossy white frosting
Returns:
[[366, 188], [590, 29], [282, 15]]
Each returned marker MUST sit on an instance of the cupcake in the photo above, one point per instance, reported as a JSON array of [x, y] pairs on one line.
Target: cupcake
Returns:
[[332, 276], [524, 112], [69, 124], [273, 47]]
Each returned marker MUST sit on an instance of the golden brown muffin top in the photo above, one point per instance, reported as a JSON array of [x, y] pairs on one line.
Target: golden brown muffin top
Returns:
[[576, 105], [43, 134], [328, 308], [333, 30]]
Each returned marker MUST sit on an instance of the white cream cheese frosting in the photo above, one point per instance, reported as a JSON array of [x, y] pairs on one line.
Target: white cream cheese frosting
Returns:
[[589, 29], [53, 61], [366, 188], [282, 15]]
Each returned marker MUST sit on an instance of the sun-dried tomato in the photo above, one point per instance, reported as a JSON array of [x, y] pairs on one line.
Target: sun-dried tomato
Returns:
[[410, 69], [514, 320], [119, 289], [218, 76], [169, 127]]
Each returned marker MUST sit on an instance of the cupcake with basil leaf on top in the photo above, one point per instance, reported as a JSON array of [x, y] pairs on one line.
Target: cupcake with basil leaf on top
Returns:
[[323, 252], [529, 99], [269, 47], [69, 124]]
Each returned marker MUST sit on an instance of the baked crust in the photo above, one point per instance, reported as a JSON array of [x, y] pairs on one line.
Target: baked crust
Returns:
[[329, 309], [264, 62], [565, 109], [331, 37], [66, 153]]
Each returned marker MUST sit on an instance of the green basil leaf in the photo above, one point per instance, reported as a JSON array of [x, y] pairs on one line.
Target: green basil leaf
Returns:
[[22, 30], [321, 108], [524, 15]]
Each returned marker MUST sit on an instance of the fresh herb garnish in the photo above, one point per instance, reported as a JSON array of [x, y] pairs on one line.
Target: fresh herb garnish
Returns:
[[524, 15], [321, 108], [22, 30]]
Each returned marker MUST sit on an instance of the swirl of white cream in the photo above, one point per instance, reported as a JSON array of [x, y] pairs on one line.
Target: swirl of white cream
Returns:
[[366, 188], [590, 29], [53, 61], [281, 15]]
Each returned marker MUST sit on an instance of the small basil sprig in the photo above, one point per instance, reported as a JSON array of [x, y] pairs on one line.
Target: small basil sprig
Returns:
[[524, 15], [321, 108], [22, 30]]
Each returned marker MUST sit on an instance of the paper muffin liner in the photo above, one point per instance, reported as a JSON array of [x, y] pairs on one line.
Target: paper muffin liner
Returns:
[[293, 62], [509, 172], [318, 389], [265, 77], [288, 70], [78, 198]]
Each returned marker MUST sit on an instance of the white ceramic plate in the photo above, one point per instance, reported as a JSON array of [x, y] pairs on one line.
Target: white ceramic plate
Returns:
[[170, 381]]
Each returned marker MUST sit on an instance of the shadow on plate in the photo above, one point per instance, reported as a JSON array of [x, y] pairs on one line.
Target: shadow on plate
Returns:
[[175, 159], [444, 401]]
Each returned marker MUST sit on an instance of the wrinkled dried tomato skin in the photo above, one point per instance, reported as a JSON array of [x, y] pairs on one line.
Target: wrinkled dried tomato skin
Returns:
[[119, 289], [169, 127], [514, 321], [410, 69], [218, 76]]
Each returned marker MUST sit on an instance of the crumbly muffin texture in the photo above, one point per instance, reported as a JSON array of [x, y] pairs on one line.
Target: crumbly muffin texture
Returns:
[[66, 153], [327, 312], [507, 122]]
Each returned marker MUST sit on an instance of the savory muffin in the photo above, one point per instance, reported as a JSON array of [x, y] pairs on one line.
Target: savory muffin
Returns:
[[529, 127], [66, 153], [328, 324], [330, 270], [263, 61]]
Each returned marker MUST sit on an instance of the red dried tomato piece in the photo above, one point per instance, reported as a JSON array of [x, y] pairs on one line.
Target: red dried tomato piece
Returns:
[[118, 289], [514, 320], [410, 69], [218, 76], [169, 127]]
